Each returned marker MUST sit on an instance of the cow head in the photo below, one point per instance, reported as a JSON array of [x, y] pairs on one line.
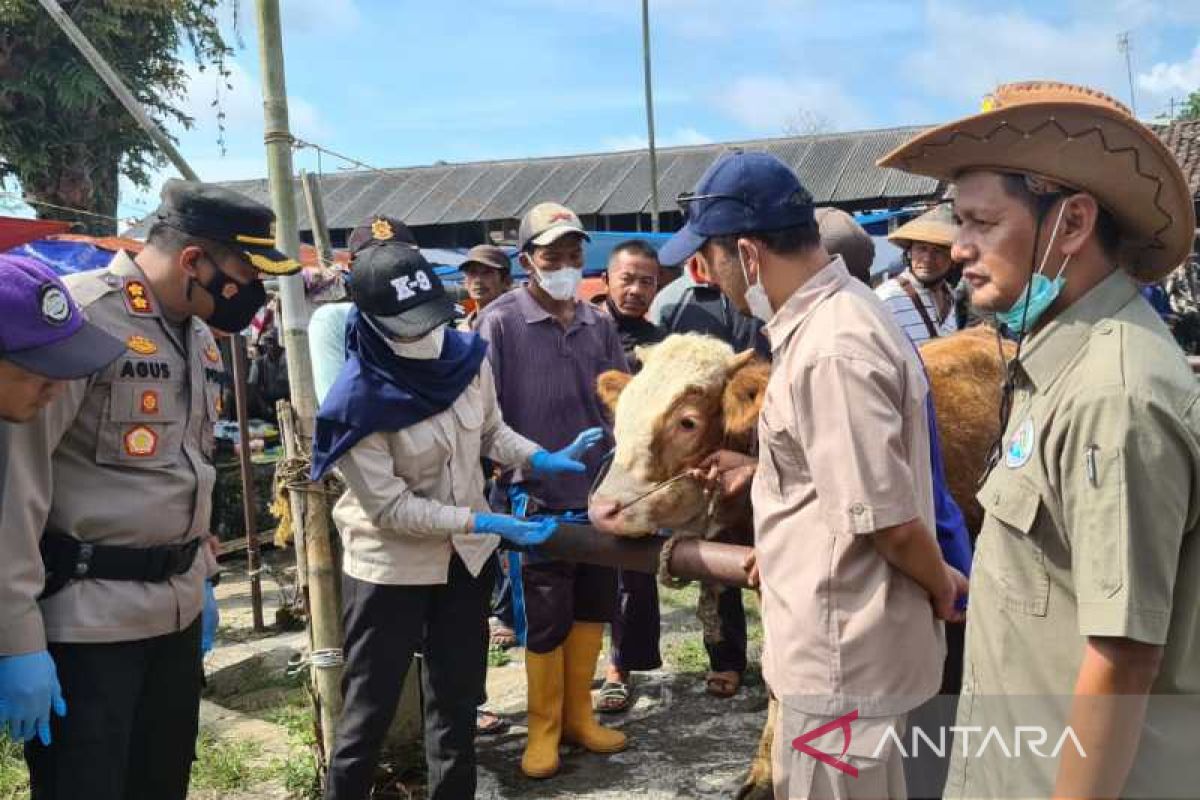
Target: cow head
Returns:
[[693, 396]]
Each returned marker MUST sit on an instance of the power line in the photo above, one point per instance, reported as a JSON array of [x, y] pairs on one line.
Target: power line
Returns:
[[300, 144], [32, 202]]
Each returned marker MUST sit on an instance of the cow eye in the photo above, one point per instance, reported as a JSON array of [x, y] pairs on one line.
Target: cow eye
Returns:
[[688, 424]]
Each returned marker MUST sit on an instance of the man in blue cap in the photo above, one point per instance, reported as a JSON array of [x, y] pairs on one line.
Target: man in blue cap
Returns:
[[44, 339], [853, 584]]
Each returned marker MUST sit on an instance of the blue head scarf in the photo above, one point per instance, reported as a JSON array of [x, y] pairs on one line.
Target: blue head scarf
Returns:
[[378, 390]]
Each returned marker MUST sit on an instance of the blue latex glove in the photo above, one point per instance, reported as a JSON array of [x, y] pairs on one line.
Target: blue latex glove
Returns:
[[567, 459], [520, 532], [29, 691], [210, 618]]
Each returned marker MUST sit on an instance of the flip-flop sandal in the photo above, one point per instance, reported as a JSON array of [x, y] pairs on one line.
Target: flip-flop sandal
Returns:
[[502, 636], [719, 685], [613, 697], [489, 724]]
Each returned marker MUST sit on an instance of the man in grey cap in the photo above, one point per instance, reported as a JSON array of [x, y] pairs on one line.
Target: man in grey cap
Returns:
[[487, 274], [106, 501], [546, 350]]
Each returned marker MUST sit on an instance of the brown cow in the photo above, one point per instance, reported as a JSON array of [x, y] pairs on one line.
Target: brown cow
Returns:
[[694, 396]]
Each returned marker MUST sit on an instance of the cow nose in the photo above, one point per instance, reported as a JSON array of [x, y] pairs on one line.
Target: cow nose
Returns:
[[603, 513]]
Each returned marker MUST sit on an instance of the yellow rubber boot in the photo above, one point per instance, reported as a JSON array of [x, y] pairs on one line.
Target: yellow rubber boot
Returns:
[[544, 676], [579, 725]]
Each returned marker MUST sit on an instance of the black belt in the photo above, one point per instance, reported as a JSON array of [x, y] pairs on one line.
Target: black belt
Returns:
[[68, 559]]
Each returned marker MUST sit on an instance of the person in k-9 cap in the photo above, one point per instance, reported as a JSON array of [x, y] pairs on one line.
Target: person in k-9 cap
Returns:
[[44, 339], [842, 492], [327, 325], [406, 421], [546, 349], [106, 502]]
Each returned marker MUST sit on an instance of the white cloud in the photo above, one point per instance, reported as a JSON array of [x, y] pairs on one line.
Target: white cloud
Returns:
[[770, 105], [1169, 79], [956, 64], [242, 105], [680, 137]]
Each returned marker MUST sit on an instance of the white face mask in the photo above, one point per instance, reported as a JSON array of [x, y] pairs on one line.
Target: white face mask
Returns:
[[427, 348], [560, 284], [756, 295]]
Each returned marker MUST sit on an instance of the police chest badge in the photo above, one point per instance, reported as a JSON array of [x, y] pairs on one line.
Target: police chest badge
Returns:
[[140, 442], [141, 345], [1019, 449]]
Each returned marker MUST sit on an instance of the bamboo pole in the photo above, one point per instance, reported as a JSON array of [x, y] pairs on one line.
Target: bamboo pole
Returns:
[[324, 619], [253, 557], [316, 217]]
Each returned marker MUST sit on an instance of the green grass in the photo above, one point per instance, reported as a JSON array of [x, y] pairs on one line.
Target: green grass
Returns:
[[297, 772], [14, 778], [498, 657], [223, 765], [687, 655]]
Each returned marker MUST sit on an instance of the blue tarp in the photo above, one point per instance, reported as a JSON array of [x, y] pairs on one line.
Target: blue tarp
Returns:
[[65, 257]]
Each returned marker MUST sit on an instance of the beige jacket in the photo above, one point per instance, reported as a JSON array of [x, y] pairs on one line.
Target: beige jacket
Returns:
[[121, 458], [412, 492]]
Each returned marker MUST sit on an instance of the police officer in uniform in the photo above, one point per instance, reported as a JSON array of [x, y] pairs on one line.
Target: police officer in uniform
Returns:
[[106, 501], [1085, 589]]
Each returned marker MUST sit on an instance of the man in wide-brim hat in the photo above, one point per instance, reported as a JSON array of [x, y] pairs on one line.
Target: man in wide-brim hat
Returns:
[[1085, 591], [921, 298]]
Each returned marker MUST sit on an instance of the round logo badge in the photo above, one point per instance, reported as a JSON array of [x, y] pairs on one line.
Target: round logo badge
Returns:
[[1020, 447], [56, 306]]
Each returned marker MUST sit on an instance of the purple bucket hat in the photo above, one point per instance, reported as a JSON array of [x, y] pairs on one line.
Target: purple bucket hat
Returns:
[[42, 330]]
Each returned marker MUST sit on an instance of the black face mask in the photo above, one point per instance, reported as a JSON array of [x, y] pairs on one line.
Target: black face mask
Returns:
[[234, 304]]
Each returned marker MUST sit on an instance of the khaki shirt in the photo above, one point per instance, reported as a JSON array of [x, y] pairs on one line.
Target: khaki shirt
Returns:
[[843, 452], [121, 458], [1090, 526], [412, 492]]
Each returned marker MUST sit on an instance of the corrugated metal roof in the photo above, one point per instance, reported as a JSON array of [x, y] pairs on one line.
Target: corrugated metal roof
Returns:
[[822, 166], [454, 184], [560, 183], [513, 197], [838, 168], [591, 195]]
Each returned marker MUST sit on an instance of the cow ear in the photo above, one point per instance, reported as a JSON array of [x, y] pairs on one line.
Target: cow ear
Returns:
[[609, 386], [642, 353], [742, 399], [737, 361]]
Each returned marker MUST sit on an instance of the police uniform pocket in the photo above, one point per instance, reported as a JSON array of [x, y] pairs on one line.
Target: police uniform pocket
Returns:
[[141, 426], [1013, 543]]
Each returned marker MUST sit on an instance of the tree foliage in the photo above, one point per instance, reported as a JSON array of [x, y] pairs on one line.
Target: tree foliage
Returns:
[[62, 133], [1191, 107]]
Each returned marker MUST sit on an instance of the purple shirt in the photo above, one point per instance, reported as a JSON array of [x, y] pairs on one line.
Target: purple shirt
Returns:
[[546, 383]]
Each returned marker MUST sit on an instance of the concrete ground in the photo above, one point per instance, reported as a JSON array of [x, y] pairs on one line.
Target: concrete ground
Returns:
[[683, 743]]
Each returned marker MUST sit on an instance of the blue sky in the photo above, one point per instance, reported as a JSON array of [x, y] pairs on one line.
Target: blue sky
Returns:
[[404, 82]]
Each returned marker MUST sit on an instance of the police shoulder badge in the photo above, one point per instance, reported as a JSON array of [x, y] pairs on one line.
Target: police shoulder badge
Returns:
[[140, 442], [141, 345], [1019, 449], [381, 230], [211, 354], [137, 298]]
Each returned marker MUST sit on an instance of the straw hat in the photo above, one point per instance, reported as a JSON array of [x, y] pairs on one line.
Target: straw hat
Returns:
[[1083, 140], [935, 226]]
